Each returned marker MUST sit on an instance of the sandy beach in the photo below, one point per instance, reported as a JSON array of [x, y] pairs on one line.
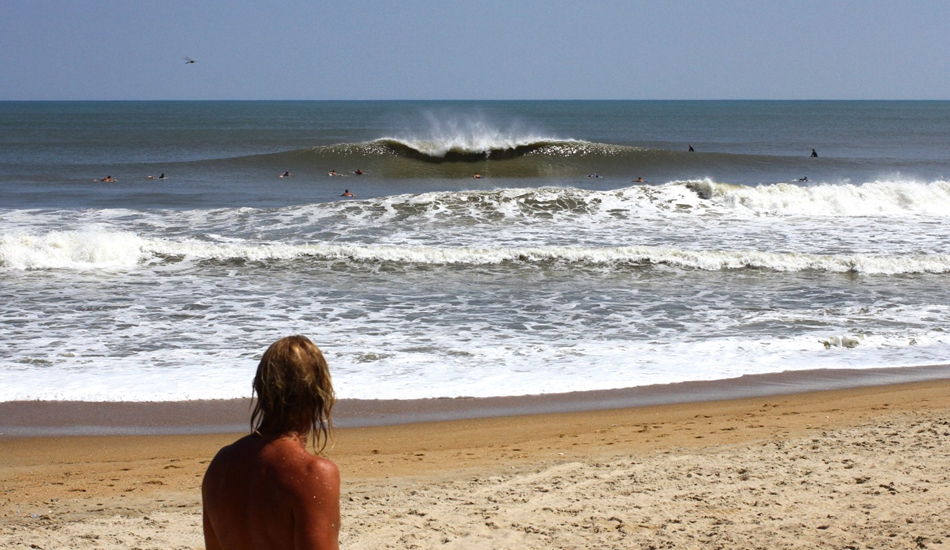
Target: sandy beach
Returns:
[[850, 468]]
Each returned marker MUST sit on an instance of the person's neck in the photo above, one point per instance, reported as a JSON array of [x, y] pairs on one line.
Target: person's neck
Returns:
[[301, 436], [294, 435]]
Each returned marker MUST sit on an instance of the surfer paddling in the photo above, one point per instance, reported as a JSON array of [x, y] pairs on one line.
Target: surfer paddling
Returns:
[[347, 193], [107, 179], [286, 175]]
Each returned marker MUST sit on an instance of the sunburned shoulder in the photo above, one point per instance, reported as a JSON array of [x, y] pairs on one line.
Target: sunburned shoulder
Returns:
[[290, 455], [298, 472], [322, 468], [240, 448], [284, 454]]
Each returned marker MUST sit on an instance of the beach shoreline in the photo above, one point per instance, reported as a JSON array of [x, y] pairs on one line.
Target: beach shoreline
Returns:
[[616, 478], [78, 418]]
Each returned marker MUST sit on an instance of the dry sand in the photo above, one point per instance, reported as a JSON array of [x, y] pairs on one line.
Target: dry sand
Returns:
[[859, 468]]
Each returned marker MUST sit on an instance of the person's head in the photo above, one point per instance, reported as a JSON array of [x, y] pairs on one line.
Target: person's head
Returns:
[[294, 390]]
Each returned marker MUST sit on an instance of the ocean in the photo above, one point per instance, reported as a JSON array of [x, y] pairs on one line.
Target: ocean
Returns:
[[554, 271]]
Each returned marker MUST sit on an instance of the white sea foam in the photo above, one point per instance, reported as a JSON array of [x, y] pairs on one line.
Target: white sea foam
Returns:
[[87, 249], [476, 293], [879, 198], [370, 368], [112, 250]]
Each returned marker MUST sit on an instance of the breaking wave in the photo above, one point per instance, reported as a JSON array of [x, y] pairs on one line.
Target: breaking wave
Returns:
[[877, 198], [111, 249]]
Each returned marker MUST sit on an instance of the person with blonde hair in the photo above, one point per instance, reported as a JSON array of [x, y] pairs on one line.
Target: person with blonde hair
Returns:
[[266, 490]]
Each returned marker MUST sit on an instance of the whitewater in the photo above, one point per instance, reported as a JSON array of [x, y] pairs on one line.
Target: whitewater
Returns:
[[552, 272]]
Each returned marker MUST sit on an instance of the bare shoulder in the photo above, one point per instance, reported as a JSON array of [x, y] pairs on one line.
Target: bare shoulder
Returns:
[[305, 471], [318, 466], [227, 457], [317, 503]]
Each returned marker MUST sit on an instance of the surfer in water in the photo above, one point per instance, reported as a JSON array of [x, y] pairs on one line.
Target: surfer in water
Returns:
[[358, 172], [804, 178], [333, 173], [347, 193], [107, 179], [286, 175], [477, 176], [639, 180], [814, 154], [691, 149]]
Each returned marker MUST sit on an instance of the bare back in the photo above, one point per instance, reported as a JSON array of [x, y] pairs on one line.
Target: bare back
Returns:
[[266, 493]]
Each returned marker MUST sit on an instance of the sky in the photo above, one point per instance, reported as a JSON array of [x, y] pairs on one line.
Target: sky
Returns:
[[485, 49]]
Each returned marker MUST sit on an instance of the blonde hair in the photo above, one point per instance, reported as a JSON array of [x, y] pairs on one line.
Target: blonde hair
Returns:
[[294, 390]]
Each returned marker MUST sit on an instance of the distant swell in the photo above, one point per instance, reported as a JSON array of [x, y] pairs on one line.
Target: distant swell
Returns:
[[518, 156]]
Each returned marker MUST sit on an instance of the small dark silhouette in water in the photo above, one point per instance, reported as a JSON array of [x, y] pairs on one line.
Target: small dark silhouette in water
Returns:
[[188, 60], [347, 193], [805, 178], [638, 180], [814, 153], [286, 175], [691, 149], [358, 172]]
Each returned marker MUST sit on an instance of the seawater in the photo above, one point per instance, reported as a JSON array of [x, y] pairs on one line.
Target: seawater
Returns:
[[554, 271]]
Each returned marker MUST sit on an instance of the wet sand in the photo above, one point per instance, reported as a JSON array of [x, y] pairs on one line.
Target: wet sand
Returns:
[[32, 418], [864, 467]]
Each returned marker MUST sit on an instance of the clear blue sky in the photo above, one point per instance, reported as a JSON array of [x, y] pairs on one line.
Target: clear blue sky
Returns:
[[427, 49]]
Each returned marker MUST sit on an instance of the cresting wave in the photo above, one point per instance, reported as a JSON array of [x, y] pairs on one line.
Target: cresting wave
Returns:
[[473, 149], [454, 139], [122, 250]]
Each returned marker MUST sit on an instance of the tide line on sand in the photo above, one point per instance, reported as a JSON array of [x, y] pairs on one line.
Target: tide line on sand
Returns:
[[56, 418]]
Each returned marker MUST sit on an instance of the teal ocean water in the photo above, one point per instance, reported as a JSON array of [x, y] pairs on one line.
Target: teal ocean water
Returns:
[[555, 270]]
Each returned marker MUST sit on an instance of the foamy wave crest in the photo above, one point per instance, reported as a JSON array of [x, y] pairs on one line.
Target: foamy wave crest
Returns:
[[100, 249], [86, 249], [468, 139], [878, 198], [461, 149], [572, 256]]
